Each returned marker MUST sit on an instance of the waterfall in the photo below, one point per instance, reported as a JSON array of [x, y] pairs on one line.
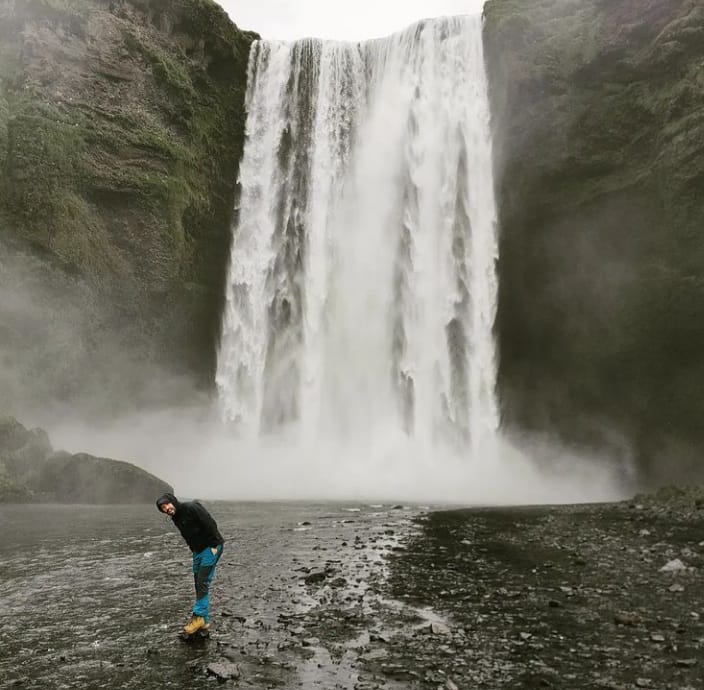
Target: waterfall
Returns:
[[362, 288]]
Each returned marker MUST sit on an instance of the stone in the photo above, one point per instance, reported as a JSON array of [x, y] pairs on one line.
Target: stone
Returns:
[[316, 578], [377, 637], [437, 628], [32, 471], [685, 663], [628, 618], [676, 588], [223, 670], [84, 478], [673, 566]]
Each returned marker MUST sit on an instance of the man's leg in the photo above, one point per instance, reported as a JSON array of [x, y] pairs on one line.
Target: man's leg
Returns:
[[203, 576]]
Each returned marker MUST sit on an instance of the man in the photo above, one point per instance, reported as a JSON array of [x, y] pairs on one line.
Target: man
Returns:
[[201, 533]]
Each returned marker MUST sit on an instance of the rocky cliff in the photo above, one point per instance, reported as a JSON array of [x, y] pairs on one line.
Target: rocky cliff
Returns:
[[121, 128], [598, 119]]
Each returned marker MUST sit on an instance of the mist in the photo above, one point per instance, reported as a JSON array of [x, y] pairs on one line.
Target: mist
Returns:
[[55, 374], [194, 451], [70, 346]]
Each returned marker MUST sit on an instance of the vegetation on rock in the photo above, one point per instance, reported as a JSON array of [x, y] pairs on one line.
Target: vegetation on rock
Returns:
[[598, 119], [121, 128]]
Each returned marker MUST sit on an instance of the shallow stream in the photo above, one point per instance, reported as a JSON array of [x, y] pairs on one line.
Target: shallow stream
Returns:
[[95, 596]]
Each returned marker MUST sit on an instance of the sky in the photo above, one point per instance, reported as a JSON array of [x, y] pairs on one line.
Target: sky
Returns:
[[349, 20]]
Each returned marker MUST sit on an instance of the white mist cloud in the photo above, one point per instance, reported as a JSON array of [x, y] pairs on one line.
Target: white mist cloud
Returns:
[[193, 451], [338, 19]]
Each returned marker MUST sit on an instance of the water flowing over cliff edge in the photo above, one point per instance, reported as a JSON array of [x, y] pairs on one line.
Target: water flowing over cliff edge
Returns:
[[357, 340], [362, 287]]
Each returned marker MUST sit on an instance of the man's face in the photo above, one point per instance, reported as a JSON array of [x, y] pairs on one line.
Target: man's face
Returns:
[[168, 508]]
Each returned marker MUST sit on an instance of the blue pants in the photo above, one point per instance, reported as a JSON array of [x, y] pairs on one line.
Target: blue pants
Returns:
[[203, 572]]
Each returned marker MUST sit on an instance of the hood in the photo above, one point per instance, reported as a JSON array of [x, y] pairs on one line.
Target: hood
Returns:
[[167, 498]]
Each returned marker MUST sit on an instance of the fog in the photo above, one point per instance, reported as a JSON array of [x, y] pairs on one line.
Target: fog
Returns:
[[55, 375], [70, 347], [192, 450]]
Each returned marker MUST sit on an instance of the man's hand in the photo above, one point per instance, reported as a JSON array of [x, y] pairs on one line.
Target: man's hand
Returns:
[[213, 551]]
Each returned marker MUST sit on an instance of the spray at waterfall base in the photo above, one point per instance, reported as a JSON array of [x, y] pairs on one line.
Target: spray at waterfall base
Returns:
[[357, 354]]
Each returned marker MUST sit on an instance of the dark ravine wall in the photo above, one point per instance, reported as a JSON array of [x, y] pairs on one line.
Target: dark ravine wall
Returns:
[[598, 119], [121, 128]]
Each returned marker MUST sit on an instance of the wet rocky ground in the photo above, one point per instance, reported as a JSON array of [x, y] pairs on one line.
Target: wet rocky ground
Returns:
[[362, 597], [603, 596]]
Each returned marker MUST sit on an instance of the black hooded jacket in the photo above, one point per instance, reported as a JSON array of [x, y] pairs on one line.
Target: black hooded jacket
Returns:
[[194, 522]]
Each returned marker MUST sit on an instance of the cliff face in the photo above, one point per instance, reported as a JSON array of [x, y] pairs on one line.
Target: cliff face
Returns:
[[598, 118], [121, 127]]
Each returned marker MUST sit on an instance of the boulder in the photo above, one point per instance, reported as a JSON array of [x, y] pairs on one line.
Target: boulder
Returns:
[[30, 471], [83, 478]]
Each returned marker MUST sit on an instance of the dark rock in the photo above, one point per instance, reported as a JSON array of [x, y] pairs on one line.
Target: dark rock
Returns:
[[628, 618], [685, 663], [599, 159], [377, 637], [316, 578], [83, 478], [23, 453], [30, 471]]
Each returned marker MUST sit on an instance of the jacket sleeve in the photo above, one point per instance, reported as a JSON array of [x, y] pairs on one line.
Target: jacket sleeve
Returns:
[[210, 527]]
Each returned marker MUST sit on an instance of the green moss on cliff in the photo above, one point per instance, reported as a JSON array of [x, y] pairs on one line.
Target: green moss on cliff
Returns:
[[44, 167], [121, 128], [599, 155]]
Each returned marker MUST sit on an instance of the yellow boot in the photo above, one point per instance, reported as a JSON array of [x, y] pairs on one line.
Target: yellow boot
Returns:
[[196, 623]]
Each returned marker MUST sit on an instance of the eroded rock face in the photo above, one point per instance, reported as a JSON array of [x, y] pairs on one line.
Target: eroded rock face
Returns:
[[121, 128], [598, 118]]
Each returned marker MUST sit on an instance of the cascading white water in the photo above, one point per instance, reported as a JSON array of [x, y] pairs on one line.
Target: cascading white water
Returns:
[[362, 287]]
